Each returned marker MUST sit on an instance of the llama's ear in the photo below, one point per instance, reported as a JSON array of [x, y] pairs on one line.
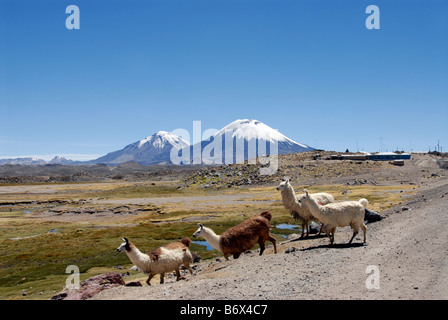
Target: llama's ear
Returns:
[[125, 240], [306, 192], [200, 225]]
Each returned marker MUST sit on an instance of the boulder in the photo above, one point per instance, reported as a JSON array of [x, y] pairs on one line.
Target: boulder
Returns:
[[91, 287], [371, 216], [314, 227], [291, 249]]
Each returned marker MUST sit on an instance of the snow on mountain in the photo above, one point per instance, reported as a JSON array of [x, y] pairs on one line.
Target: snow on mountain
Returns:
[[244, 139], [36, 161], [153, 149], [248, 129], [23, 161]]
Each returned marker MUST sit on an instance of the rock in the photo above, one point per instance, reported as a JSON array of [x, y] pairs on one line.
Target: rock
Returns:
[[371, 216], [404, 208], [293, 236], [314, 228], [91, 287], [60, 296], [291, 249]]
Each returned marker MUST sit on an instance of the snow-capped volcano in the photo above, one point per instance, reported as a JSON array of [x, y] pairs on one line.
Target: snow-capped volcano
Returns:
[[244, 139], [153, 149], [240, 140], [253, 129]]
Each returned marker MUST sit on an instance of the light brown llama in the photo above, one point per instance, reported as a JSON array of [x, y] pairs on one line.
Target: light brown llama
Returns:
[[242, 237], [161, 260]]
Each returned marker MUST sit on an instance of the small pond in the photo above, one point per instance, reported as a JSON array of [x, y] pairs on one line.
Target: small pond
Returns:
[[287, 226], [205, 244]]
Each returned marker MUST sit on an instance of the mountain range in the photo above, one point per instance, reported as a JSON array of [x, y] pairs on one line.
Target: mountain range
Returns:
[[240, 140], [36, 161]]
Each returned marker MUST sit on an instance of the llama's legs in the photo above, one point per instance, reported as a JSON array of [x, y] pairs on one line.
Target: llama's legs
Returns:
[[162, 277], [149, 279], [364, 230], [178, 276], [331, 235], [353, 236], [262, 247], [187, 265], [236, 255], [303, 231], [274, 242], [355, 232]]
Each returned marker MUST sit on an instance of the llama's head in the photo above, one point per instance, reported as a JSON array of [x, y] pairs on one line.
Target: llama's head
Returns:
[[124, 245], [283, 185], [305, 197], [199, 232]]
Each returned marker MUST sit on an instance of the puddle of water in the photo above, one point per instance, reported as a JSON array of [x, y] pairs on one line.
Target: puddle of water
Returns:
[[36, 235], [20, 238], [204, 243], [287, 226]]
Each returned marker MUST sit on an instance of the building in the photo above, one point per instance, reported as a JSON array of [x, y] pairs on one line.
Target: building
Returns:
[[387, 156]]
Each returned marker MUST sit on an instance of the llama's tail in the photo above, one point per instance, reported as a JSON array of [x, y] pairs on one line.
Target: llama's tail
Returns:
[[364, 202], [267, 215], [186, 241]]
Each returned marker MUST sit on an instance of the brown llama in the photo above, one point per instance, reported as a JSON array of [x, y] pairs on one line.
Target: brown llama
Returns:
[[242, 237]]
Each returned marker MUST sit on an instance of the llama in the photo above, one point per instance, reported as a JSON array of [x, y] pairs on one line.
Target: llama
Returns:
[[339, 214], [240, 238], [296, 210], [163, 259]]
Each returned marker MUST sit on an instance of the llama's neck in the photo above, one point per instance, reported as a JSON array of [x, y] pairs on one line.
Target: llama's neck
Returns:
[[288, 197], [212, 238], [137, 257], [314, 207]]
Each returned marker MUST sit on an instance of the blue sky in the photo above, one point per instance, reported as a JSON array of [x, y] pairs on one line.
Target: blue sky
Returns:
[[310, 69]]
